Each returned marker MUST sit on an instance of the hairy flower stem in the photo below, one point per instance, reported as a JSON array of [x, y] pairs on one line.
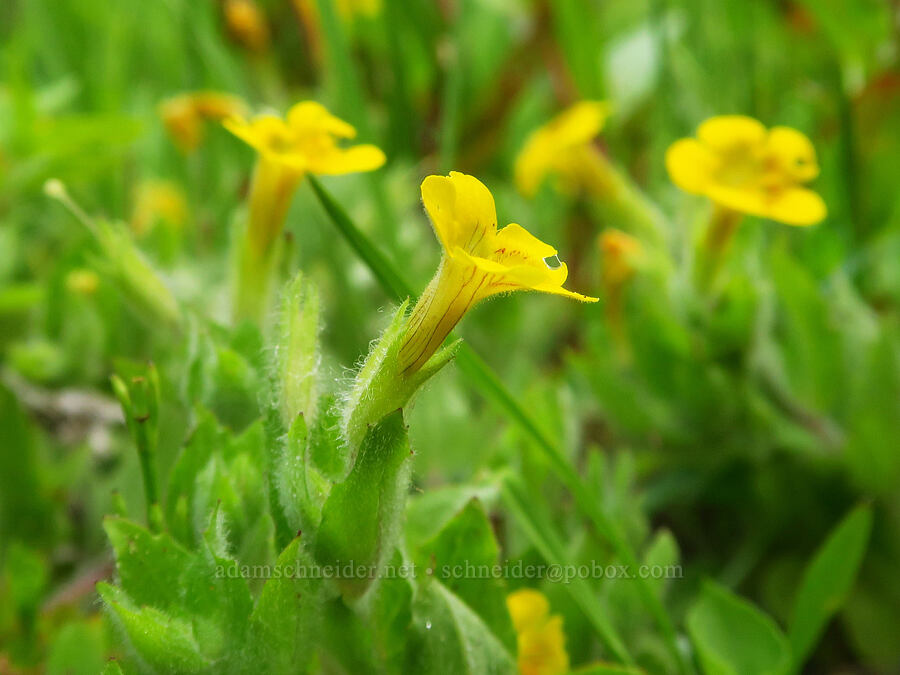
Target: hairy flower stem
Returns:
[[271, 191]]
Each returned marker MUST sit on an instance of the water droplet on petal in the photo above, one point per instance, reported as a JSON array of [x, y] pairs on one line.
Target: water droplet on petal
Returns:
[[552, 262]]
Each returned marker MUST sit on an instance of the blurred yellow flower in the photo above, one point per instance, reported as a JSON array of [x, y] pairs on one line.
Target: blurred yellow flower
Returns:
[[620, 256], [247, 23], [185, 114], [742, 166], [307, 142], [478, 261], [158, 200], [82, 281], [540, 638], [563, 148]]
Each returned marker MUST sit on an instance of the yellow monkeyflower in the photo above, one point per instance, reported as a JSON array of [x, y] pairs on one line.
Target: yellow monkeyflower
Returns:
[[564, 148], [184, 115], [540, 638], [158, 200], [478, 261], [744, 167], [307, 141], [247, 23]]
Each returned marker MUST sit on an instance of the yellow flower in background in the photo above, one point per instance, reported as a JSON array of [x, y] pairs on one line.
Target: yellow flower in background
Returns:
[[621, 254], [247, 23], [184, 115], [158, 200], [478, 261], [539, 636], [744, 167], [306, 142], [563, 148]]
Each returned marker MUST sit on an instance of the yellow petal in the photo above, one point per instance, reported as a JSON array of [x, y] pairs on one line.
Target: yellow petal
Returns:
[[752, 201], [528, 608], [312, 116], [515, 240], [462, 211], [351, 160], [689, 165], [579, 124], [548, 147], [798, 206], [728, 131], [793, 153]]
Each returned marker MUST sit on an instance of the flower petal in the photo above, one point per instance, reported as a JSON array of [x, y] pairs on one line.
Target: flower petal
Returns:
[[798, 206], [689, 164], [350, 160], [793, 152], [310, 116], [462, 211], [728, 131], [752, 201], [578, 124]]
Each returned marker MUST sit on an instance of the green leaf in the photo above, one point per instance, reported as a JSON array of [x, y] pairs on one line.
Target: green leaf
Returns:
[[302, 489], [428, 513], [827, 580], [157, 572], [77, 648], [461, 556], [112, 667], [361, 518], [733, 637], [284, 623], [453, 639], [389, 615], [164, 643]]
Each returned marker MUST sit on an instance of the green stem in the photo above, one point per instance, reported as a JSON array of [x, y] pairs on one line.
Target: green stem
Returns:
[[722, 227], [492, 388]]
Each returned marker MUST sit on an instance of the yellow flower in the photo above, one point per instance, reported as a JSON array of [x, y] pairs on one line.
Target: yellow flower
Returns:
[[478, 261], [307, 142], [742, 166], [563, 148], [158, 200], [185, 114], [539, 636], [621, 254], [247, 24]]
